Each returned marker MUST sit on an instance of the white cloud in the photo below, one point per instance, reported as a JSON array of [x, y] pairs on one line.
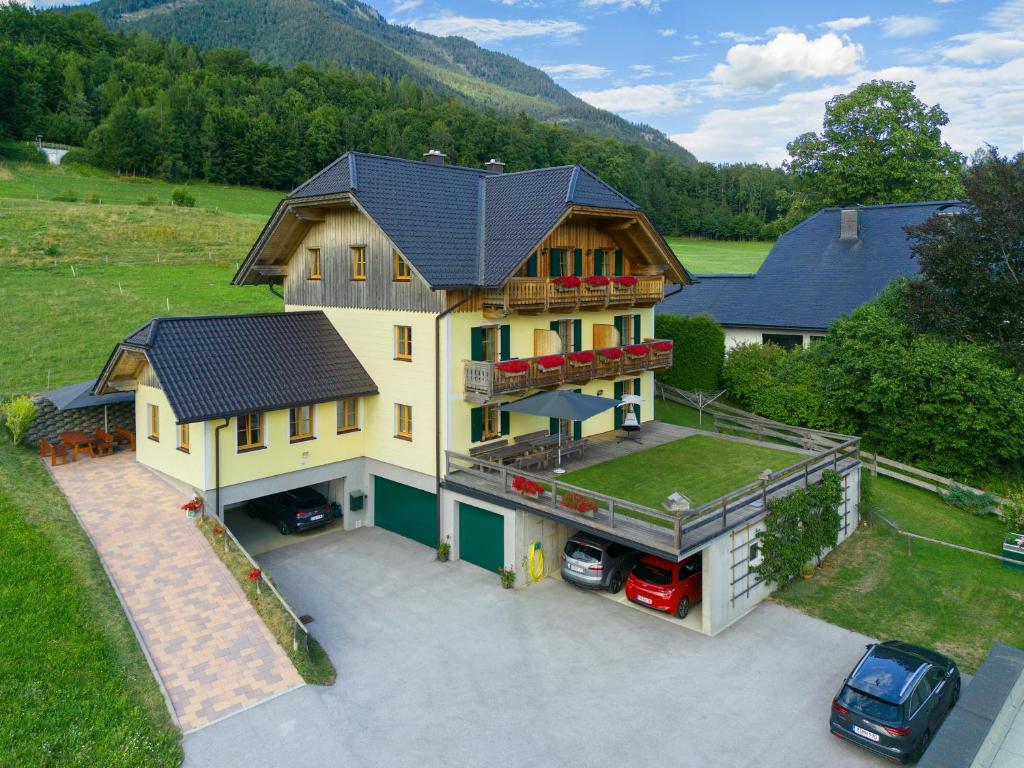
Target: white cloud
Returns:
[[787, 57], [666, 32], [577, 71], [620, 5], [739, 37], [1004, 38], [484, 30], [908, 26], [649, 99], [405, 6], [685, 57], [846, 23], [773, 31]]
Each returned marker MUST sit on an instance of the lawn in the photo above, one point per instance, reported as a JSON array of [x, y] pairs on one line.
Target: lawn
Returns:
[[682, 415], [709, 257], [701, 466], [953, 601], [75, 687]]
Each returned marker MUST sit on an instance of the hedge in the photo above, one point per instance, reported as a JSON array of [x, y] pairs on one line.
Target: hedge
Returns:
[[699, 348]]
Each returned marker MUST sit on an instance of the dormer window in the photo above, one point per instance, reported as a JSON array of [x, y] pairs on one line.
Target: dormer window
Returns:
[[400, 268], [313, 264]]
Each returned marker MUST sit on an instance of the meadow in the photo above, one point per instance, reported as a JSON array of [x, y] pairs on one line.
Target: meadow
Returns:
[[702, 256]]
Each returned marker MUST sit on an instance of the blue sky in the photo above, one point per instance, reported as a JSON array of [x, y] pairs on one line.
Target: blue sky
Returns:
[[736, 81]]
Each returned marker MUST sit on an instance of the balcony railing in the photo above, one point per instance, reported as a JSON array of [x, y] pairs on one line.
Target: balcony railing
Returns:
[[539, 294], [484, 380]]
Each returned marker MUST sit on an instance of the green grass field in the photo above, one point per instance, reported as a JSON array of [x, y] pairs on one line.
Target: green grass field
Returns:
[[708, 257], [75, 687]]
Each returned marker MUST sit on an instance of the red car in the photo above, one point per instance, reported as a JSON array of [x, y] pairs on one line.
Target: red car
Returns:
[[666, 586]]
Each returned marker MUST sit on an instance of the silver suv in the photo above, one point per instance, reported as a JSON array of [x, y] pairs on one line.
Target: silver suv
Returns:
[[597, 563]]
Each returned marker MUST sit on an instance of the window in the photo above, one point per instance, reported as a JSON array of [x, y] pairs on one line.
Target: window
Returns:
[[629, 329], [491, 342], [400, 271], [348, 414], [183, 437], [403, 421], [784, 340], [154, 422], [313, 260], [250, 431], [300, 423], [403, 342], [492, 422], [755, 556], [359, 262]]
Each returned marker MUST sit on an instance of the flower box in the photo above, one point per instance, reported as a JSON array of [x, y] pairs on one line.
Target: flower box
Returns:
[[638, 350], [567, 282], [526, 487], [662, 346], [550, 362], [578, 502], [624, 281], [513, 367], [581, 358], [597, 281], [612, 353], [1013, 551]]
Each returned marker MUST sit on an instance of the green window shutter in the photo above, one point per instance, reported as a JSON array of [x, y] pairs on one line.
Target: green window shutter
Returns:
[[617, 389], [636, 329], [636, 391], [504, 422], [598, 261], [556, 262], [531, 265], [618, 327], [506, 345], [577, 430], [555, 325], [552, 426], [477, 343], [577, 262], [618, 261], [476, 425], [577, 335]]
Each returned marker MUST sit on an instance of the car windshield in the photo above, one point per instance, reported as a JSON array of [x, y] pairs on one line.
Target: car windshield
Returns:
[[303, 499], [869, 706], [579, 550], [652, 574]]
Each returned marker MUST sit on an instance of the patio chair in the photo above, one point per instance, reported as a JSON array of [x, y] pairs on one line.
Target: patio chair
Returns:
[[122, 435], [104, 442], [46, 448]]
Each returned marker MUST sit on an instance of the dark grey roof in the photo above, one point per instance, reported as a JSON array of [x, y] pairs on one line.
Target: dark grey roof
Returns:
[[967, 728], [213, 367], [811, 277], [461, 226], [80, 396]]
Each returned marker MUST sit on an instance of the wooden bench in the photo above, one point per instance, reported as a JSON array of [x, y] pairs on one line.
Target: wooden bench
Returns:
[[46, 448], [573, 448], [537, 460], [122, 435], [104, 442], [531, 436], [483, 450]]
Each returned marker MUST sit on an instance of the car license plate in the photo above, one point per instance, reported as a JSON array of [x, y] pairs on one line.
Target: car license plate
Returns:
[[865, 733], [645, 600], [317, 517], [575, 568]]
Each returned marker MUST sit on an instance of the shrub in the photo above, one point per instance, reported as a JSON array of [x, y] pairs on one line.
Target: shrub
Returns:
[[1013, 511], [979, 504], [182, 198], [76, 157], [21, 152], [19, 413], [750, 371], [699, 344]]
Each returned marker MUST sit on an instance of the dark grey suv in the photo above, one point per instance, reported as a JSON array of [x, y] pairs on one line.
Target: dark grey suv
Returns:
[[597, 563], [895, 700]]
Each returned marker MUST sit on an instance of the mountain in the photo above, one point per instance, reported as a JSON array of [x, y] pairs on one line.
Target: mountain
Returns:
[[353, 35]]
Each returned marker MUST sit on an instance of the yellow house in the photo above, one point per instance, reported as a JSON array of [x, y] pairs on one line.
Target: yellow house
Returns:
[[419, 297]]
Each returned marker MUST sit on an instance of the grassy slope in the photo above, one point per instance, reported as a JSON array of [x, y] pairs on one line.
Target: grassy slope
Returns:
[[701, 467], [708, 257], [70, 667]]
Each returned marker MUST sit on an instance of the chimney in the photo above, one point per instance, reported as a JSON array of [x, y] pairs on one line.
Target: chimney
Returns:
[[435, 157], [848, 220], [495, 166]]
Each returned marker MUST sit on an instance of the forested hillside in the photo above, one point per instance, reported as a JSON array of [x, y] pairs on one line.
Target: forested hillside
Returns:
[[353, 35], [142, 105]]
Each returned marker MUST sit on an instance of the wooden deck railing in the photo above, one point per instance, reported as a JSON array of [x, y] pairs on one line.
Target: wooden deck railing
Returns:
[[484, 379], [540, 294]]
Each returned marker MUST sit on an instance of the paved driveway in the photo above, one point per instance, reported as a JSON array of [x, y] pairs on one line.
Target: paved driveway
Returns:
[[438, 666]]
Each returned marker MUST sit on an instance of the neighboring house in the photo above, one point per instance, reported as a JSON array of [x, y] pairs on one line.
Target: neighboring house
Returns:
[[406, 284], [822, 269]]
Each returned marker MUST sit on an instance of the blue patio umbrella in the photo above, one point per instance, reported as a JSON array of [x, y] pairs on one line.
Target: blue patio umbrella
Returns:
[[561, 404]]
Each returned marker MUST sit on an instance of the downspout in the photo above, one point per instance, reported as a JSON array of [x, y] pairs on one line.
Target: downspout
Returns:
[[437, 406], [678, 288], [216, 468], [271, 287]]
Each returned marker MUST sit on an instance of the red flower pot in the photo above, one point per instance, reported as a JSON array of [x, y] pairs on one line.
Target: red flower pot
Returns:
[[597, 281], [513, 366], [567, 281], [550, 362], [637, 350], [625, 281], [612, 353], [662, 346], [582, 358]]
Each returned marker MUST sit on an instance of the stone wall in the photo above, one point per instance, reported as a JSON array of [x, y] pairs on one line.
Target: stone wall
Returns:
[[50, 422]]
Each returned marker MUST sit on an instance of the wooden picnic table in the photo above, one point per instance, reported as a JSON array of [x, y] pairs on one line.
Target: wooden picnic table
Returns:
[[78, 442], [509, 453]]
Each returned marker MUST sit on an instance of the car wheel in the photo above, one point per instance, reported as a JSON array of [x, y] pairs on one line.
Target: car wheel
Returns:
[[283, 528], [956, 694], [615, 583], [684, 608]]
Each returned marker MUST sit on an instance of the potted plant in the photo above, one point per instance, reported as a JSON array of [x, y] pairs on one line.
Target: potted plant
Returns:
[[526, 487], [597, 281], [192, 506], [508, 577], [578, 502], [581, 359], [566, 282], [662, 346], [806, 570], [444, 549], [513, 367], [550, 362], [612, 353], [624, 281], [638, 350]]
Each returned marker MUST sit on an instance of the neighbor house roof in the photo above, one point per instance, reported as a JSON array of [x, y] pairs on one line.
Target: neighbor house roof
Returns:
[[812, 276], [458, 227], [218, 366]]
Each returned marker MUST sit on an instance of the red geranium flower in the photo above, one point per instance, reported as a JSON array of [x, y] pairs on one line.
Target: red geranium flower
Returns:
[[550, 361], [254, 574], [597, 280], [582, 357], [567, 281], [612, 353], [662, 346], [626, 281], [514, 366], [637, 350]]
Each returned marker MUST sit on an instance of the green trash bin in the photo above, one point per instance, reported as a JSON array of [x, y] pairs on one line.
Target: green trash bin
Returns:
[[1013, 550]]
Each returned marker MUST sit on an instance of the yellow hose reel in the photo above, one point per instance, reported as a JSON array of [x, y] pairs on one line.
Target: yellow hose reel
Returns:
[[536, 561]]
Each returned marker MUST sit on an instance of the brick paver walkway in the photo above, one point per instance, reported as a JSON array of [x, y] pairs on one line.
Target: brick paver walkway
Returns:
[[212, 651]]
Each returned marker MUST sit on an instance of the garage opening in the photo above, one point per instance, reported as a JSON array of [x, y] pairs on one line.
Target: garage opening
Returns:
[[481, 537], [405, 510], [270, 521]]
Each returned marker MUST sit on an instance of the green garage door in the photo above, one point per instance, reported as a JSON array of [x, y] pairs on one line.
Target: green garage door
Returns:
[[481, 537], [405, 510]]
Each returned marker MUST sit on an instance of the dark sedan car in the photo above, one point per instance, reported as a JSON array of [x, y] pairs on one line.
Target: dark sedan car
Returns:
[[596, 563], [291, 511], [895, 700]]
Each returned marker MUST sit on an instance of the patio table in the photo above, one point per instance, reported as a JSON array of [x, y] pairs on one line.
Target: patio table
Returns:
[[78, 441], [510, 453]]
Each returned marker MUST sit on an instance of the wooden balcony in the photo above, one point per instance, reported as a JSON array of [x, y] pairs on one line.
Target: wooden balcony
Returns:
[[531, 294], [486, 380]]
